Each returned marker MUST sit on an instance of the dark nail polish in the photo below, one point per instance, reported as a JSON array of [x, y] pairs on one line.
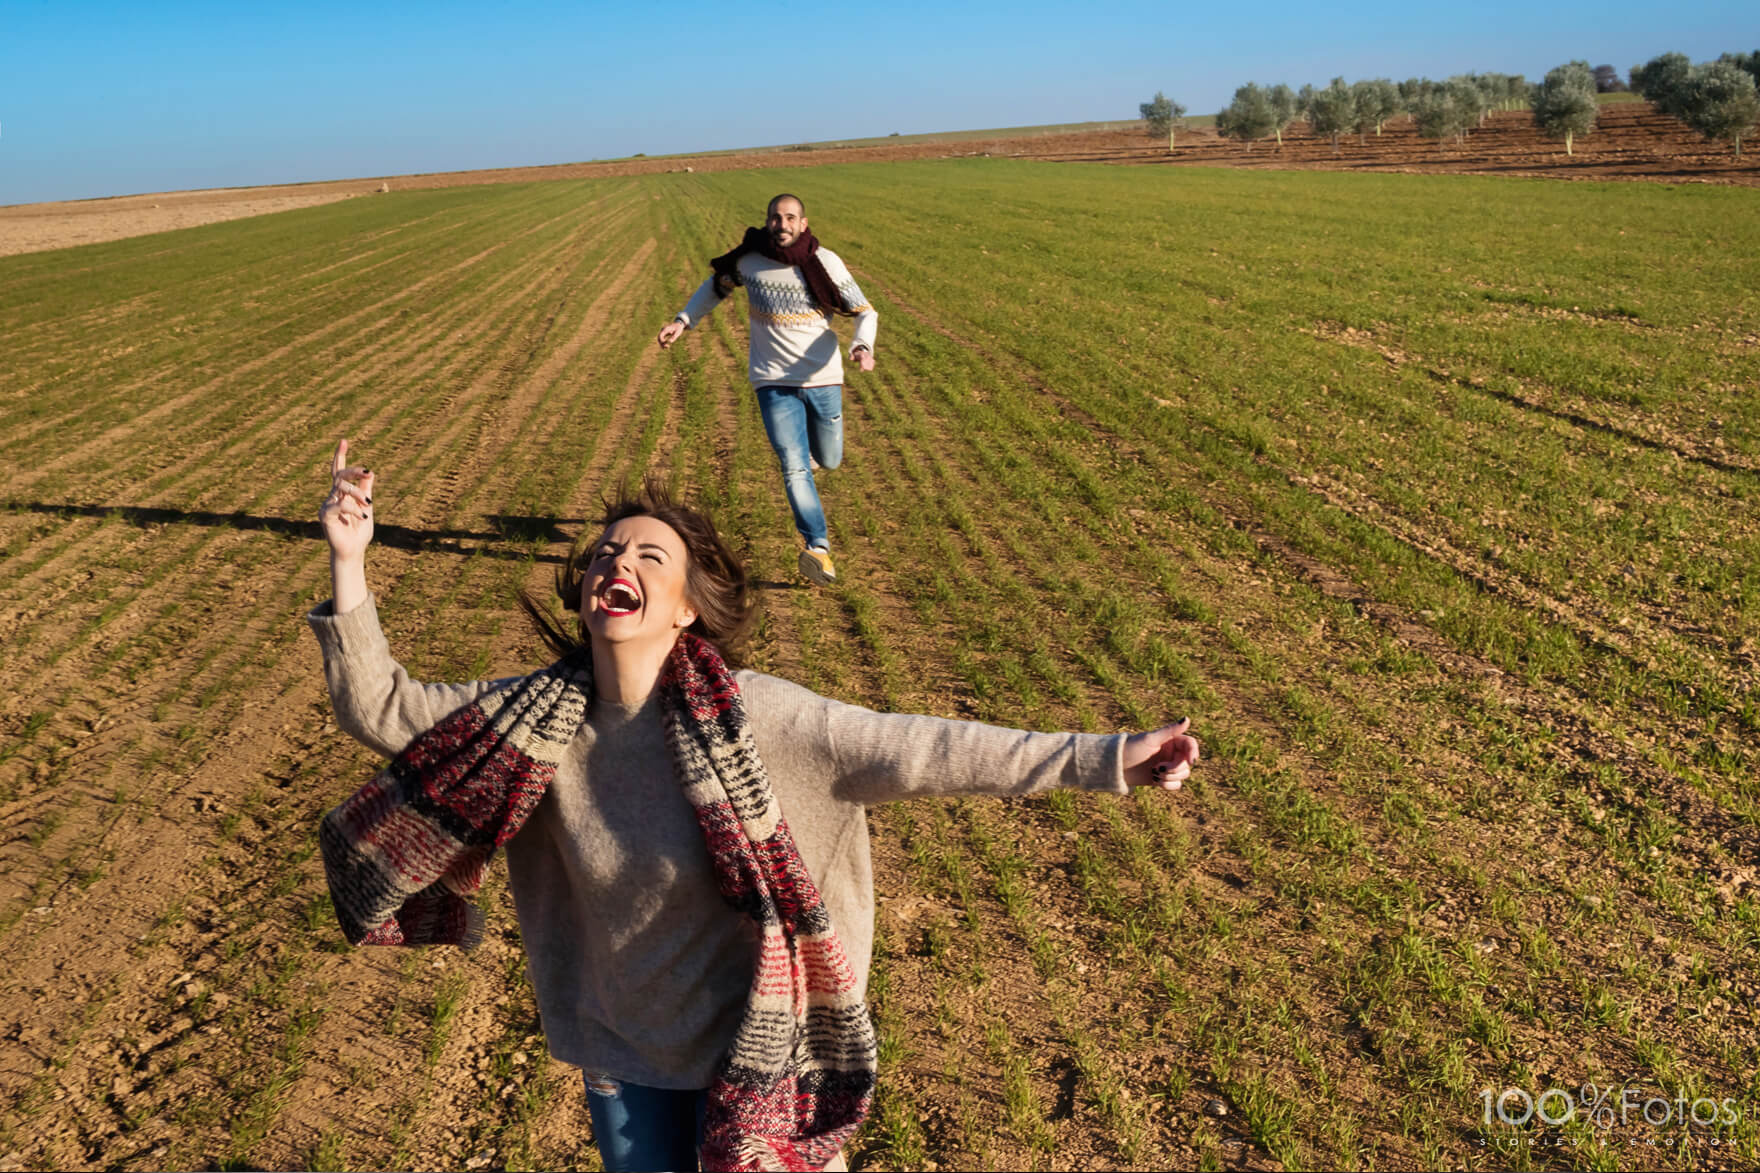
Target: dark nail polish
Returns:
[[369, 500]]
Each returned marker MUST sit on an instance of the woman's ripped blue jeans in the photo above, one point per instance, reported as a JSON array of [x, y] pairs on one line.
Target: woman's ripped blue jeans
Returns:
[[641, 1128]]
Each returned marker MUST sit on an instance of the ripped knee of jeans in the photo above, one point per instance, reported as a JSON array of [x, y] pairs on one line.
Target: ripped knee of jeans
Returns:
[[601, 1084]]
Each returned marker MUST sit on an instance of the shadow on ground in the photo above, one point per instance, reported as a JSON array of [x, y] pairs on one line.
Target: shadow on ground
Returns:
[[507, 537]]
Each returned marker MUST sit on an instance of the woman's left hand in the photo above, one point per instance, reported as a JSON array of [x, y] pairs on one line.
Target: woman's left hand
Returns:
[[1161, 757], [347, 513]]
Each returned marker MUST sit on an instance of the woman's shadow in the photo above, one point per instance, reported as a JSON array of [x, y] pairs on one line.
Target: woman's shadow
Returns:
[[509, 537]]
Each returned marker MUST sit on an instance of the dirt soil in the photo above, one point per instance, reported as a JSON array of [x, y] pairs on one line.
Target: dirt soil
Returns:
[[1632, 142], [118, 1041]]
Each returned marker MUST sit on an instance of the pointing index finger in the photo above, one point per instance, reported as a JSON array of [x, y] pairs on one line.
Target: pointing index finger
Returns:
[[340, 460]]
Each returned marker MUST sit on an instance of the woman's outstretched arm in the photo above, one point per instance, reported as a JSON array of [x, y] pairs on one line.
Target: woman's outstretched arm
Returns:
[[885, 757], [347, 518], [375, 700]]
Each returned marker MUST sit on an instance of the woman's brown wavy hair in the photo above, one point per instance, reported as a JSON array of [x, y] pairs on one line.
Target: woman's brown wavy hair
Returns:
[[715, 578]]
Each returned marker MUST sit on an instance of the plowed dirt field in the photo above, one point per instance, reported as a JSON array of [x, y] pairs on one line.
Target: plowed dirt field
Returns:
[[1438, 521], [1631, 142]]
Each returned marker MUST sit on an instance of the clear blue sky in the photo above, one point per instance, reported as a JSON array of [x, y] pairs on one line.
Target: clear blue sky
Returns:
[[101, 98]]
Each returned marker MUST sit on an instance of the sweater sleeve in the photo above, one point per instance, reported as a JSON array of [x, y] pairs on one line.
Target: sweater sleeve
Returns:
[[867, 318], [882, 757], [376, 702], [701, 303]]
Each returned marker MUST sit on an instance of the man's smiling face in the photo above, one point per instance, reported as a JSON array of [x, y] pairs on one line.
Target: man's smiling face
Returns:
[[786, 220]]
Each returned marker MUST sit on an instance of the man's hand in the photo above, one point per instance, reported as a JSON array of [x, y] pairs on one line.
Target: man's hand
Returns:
[[1161, 757], [670, 332], [864, 357]]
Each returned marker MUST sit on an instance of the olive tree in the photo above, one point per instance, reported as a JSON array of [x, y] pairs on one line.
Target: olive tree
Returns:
[[1162, 117], [1249, 116], [1283, 109], [1443, 111], [1515, 92], [1376, 102], [1333, 111], [1503, 91], [1564, 104], [1305, 103], [1469, 98], [1498, 91], [1487, 90], [1662, 80], [1750, 62], [1719, 101]]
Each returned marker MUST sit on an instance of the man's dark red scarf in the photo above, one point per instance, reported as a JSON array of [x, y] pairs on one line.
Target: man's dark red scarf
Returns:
[[803, 253], [403, 853]]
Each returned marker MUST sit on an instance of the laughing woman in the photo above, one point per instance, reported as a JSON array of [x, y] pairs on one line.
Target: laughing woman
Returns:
[[686, 843]]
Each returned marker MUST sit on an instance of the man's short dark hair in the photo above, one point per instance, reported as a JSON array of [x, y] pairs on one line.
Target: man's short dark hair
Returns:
[[787, 195]]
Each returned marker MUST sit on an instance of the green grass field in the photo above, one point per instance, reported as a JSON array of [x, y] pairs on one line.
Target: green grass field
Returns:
[[1430, 499]]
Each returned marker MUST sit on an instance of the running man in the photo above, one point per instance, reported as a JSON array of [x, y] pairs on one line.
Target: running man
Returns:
[[794, 288]]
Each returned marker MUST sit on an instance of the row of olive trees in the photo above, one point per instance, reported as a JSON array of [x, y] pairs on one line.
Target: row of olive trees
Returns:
[[1440, 108], [1719, 99], [1452, 108], [1711, 98]]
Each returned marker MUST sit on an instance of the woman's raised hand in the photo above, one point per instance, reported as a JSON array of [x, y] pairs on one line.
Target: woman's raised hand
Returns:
[[347, 513], [1161, 757]]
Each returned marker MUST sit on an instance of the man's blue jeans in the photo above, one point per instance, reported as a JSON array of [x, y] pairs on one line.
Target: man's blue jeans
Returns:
[[804, 422], [644, 1128]]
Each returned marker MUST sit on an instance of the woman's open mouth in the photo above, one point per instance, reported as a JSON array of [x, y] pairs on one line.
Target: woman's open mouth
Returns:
[[620, 597]]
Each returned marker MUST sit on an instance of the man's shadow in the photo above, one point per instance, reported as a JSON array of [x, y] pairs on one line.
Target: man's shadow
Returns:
[[508, 537]]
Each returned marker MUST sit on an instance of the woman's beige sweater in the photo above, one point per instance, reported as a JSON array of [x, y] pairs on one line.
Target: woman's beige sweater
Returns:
[[640, 968]]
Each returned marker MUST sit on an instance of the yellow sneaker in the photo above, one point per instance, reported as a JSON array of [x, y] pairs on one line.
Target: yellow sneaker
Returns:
[[816, 566]]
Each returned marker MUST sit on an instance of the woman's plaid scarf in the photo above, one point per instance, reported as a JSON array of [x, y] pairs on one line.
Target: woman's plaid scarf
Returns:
[[405, 850]]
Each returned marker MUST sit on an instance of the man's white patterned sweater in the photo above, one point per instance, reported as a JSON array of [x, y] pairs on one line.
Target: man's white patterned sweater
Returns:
[[793, 344]]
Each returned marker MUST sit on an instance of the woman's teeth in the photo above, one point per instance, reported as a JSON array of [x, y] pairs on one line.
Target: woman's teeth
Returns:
[[620, 599]]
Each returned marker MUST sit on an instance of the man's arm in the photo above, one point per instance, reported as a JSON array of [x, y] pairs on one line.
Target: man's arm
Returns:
[[702, 302], [861, 347]]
